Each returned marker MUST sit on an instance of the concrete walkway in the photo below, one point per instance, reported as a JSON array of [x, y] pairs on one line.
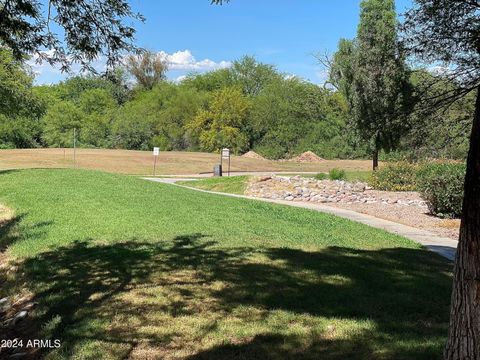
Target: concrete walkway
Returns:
[[441, 245]]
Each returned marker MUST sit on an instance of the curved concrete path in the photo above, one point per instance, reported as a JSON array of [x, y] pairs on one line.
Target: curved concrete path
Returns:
[[446, 247]]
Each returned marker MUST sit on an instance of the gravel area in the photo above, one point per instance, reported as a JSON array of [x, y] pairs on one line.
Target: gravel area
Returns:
[[416, 216], [406, 208]]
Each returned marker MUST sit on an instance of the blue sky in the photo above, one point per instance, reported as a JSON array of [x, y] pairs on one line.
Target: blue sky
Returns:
[[196, 36]]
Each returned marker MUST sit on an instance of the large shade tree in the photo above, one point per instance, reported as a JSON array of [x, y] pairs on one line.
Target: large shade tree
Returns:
[[447, 33]]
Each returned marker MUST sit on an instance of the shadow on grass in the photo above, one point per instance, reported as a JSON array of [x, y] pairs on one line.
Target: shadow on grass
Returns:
[[122, 299], [8, 235]]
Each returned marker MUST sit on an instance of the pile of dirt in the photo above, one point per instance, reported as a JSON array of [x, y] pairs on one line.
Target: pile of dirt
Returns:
[[307, 157], [253, 155]]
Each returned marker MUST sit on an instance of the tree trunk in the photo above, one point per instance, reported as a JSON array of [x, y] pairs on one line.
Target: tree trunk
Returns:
[[464, 331], [375, 159]]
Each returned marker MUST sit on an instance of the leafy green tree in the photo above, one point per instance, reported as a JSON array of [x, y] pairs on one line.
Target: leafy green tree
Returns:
[[329, 134], [209, 81], [90, 28], [380, 81], [279, 116], [19, 132], [224, 121], [178, 110], [251, 75], [130, 130], [291, 116], [72, 88], [15, 85], [161, 114], [448, 32], [59, 122], [342, 68], [97, 107], [438, 132], [132, 126], [246, 73], [20, 107]]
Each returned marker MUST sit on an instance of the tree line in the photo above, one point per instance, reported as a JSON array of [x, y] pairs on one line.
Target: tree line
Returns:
[[249, 106]]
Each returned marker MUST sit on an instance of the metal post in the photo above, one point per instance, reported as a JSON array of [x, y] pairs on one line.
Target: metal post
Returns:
[[154, 165], [229, 164], [74, 147], [221, 157]]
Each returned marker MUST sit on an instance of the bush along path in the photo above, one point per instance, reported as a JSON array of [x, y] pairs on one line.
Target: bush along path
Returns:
[[443, 246]]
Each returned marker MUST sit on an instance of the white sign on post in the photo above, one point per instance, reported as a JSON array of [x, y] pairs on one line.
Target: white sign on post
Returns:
[[156, 152], [225, 153]]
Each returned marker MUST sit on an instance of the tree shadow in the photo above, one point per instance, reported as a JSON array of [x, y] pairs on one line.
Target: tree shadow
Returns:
[[8, 235], [130, 296]]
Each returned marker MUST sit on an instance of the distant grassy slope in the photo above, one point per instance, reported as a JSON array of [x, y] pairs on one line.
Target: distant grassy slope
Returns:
[[123, 267], [229, 184], [141, 162]]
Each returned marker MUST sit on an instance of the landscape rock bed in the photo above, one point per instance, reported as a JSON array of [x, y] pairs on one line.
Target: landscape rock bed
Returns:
[[324, 191]]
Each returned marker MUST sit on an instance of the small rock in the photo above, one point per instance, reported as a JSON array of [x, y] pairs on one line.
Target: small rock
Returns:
[[359, 187], [289, 198], [4, 304], [19, 316], [20, 355]]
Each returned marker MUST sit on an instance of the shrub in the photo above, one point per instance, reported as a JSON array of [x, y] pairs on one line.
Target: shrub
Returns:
[[441, 186], [270, 151], [321, 176], [337, 174], [398, 176]]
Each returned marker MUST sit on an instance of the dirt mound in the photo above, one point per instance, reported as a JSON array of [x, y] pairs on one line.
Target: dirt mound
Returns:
[[307, 157], [253, 155]]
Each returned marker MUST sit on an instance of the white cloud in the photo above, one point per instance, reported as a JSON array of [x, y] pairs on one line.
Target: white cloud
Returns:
[[180, 61], [184, 60], [180, 78]]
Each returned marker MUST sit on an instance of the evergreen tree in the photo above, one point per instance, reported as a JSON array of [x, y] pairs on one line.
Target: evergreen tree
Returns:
[[380, 82]]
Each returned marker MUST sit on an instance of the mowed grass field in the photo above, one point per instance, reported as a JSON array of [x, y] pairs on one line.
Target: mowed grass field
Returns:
[[169, 162], [123, 268]]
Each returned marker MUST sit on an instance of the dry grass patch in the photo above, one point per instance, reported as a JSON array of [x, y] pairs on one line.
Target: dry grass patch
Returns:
[[169, 162], [450, 223]]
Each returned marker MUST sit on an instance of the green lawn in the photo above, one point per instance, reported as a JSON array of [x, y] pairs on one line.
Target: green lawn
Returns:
[[358, 175], [126, 268], [226, 184]]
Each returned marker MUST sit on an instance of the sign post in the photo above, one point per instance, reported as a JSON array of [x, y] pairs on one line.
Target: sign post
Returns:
[[225, 155], [156, 152], [74, 147]]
